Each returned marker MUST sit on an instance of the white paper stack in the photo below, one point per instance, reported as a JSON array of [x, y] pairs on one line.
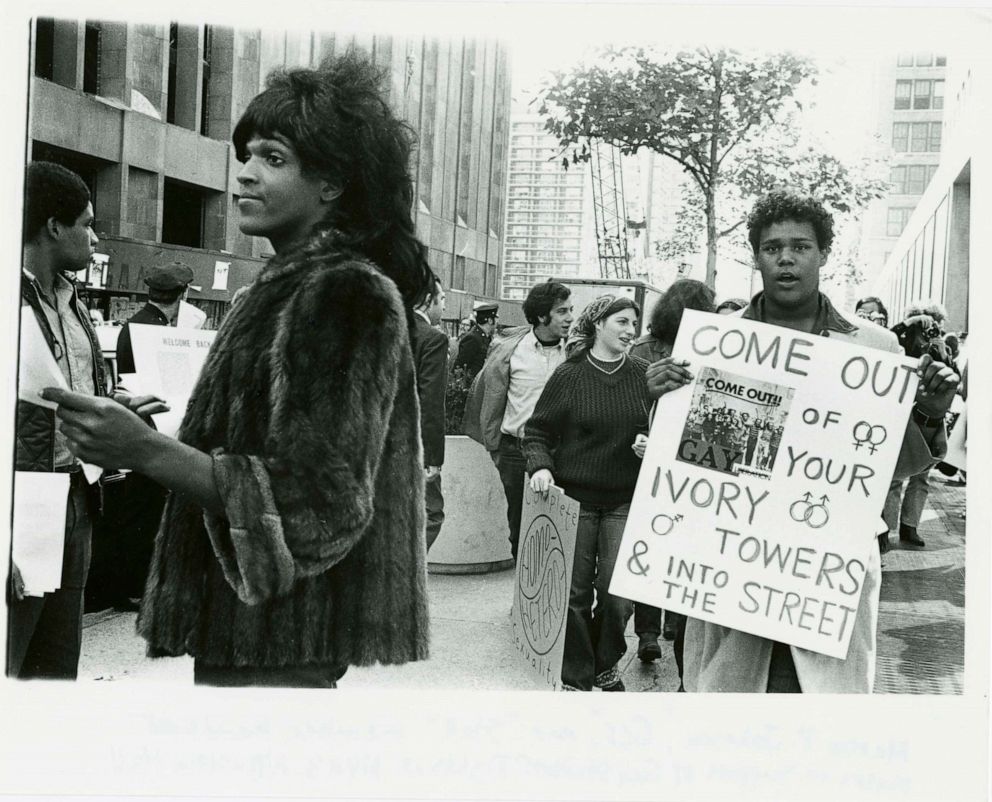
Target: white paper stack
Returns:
[[40, 501]]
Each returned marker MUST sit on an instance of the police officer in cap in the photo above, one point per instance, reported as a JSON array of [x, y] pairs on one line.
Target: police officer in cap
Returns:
[[122, 543], [167, 284], [474, 344]]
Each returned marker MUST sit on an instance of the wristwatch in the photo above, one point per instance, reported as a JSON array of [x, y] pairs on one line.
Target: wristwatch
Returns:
[[925, 420]]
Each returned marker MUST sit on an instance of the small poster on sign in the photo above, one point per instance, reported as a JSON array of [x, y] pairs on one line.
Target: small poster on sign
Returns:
[[763, 479], [543, 579]]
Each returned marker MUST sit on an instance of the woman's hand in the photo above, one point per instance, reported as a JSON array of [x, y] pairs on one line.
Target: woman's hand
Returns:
[[541, 481], [640, 445], [102, 431], [666, 375]]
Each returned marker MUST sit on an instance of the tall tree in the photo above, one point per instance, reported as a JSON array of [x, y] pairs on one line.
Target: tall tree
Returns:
[[697, 107], [779, 155]]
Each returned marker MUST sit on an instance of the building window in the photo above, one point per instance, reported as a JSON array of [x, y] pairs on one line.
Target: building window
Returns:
[[924, 59], [917, 95], [938, 94], [170, 103], [916, 180], [904, 60], [208, 44], [941, 61], [900, 137], [182, 214], [919, 137], [896, 220], [44, 48], [897, 178], [91, 58], [490, 282], [904, 92], [934, 144]]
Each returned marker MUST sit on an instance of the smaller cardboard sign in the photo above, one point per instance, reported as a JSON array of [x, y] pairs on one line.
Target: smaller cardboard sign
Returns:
[[167, 362], [543, 579]]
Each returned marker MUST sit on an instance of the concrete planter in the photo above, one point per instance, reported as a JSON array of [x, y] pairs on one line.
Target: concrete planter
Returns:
[[474, 536]]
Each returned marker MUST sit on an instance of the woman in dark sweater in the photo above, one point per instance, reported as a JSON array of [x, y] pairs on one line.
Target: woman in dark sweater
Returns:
[[581, 438]]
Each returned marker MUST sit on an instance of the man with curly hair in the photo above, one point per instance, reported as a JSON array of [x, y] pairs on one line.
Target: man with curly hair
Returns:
[[790, 236]]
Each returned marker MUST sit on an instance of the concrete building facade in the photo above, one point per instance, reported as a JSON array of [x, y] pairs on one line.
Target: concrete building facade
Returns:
[[145, 113], [911, 92], [545, 210], [931, 258]]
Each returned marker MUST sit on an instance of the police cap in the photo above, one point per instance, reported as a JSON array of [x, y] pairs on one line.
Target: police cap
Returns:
[[484, 313]]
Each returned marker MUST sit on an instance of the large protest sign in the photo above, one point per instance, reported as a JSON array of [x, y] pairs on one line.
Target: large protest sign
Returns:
[[764, 479], [167, 363], [543, 579]]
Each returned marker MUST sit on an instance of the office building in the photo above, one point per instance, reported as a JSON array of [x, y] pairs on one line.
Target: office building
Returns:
[[931, 257], [911, 93], [546, 210], [145, 113]]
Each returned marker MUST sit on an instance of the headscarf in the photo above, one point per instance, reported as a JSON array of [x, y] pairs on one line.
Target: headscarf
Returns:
[[583, 333]]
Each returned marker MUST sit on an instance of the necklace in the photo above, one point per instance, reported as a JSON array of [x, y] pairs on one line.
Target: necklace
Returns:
[[596, 364]]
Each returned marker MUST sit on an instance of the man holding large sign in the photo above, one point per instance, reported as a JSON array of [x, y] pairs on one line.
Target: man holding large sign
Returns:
[[757, 505]]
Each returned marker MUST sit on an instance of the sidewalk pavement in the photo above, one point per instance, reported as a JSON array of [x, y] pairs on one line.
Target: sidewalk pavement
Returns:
[[921, 614], [920, 643]]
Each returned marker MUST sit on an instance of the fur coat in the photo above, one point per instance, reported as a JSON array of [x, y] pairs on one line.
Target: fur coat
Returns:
[[307, 403]]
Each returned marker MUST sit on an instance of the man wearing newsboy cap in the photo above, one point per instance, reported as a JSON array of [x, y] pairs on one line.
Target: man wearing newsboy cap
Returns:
[[166, 286]]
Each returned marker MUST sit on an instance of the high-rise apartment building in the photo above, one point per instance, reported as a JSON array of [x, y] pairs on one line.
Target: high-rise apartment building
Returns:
[[145, 113], [909, 116], [544, 219], [931, 259]]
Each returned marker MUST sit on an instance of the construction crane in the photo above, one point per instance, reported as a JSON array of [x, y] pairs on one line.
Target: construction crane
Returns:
[[609, 210]]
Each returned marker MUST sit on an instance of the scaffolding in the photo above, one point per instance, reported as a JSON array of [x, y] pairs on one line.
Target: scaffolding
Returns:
[[609, 211]]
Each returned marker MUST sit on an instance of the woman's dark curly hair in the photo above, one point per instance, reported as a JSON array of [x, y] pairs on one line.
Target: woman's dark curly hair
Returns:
[[783, 204], [684, 294], [336, 119]]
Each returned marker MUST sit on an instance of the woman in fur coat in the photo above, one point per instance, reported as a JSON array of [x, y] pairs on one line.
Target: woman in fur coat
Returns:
[[292, 545]]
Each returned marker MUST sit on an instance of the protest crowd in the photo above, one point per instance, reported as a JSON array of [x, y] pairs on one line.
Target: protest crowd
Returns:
[[288, 519]]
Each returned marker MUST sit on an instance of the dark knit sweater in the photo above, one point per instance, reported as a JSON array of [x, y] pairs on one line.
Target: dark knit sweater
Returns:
[[583, 428]]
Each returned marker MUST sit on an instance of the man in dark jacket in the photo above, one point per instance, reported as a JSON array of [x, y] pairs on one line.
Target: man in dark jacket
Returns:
[[125, 538], [473, 346], [430, 358], [45, 632], [166, 286]]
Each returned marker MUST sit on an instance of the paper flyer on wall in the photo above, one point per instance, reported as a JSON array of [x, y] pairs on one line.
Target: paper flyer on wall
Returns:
[[763, 480]]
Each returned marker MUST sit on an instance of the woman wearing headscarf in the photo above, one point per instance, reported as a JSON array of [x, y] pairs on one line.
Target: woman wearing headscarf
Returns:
[[666, 316], [292, 544], [581, 438]]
